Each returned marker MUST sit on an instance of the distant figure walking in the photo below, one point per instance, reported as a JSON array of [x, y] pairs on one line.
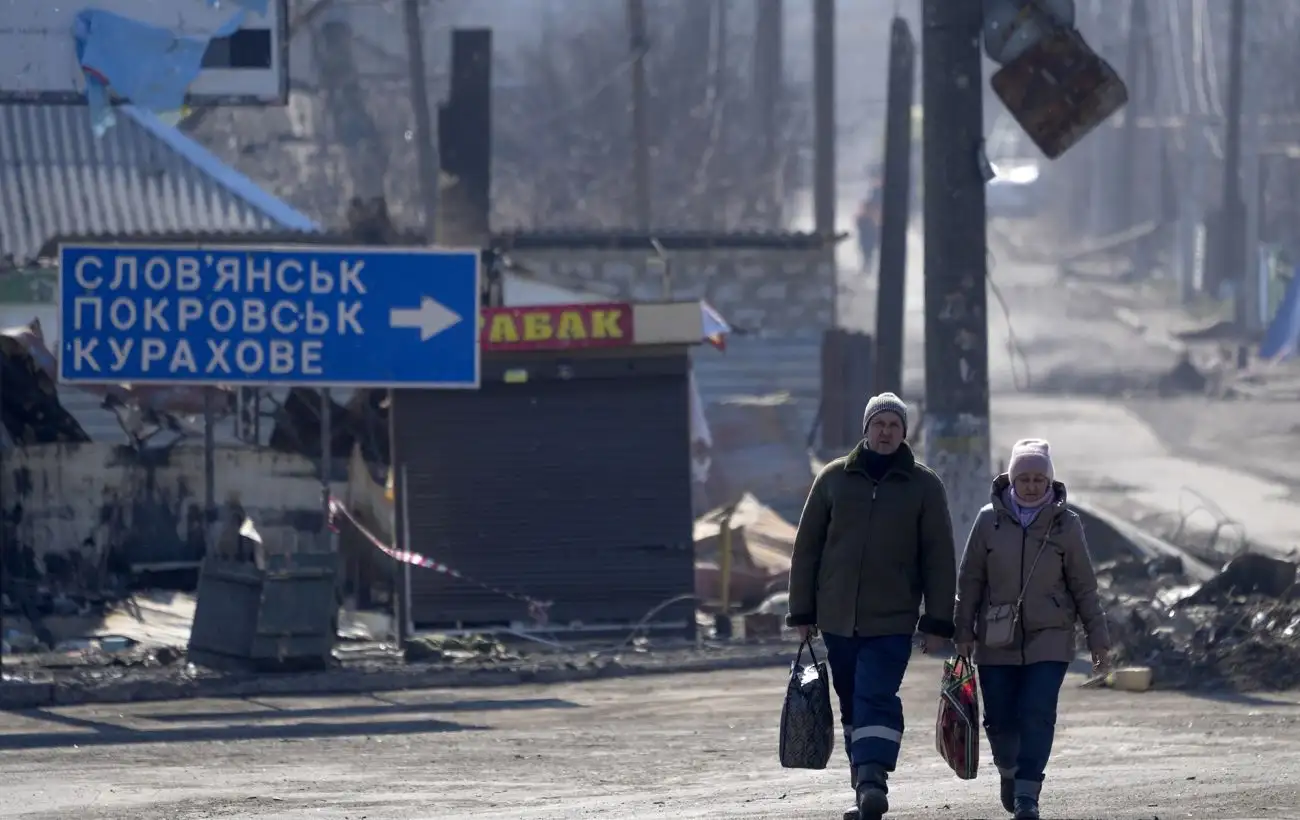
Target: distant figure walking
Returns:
[[868, 226]]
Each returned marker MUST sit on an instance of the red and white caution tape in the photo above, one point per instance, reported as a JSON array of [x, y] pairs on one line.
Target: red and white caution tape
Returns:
[[536, 609]]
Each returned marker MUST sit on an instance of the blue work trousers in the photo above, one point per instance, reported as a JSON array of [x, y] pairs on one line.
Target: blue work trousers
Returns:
[[1020, 715], [867, 673]]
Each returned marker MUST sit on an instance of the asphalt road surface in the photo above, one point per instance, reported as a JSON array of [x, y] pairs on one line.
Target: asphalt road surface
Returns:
[[684, 746]]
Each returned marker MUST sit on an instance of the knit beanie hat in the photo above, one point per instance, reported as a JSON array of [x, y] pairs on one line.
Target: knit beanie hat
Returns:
[[1031, 455], [884, 403]]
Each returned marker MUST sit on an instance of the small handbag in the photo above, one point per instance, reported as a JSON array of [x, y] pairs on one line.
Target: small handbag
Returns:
[[1001, 621]]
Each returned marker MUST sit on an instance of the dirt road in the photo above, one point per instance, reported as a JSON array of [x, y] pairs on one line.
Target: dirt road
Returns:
[[688, 746]]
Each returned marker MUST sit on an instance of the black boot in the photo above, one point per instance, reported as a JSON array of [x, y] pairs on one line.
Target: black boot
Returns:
[[1008, 794], [852, 814], [872, 791], [1008, 788], [1026, 799]]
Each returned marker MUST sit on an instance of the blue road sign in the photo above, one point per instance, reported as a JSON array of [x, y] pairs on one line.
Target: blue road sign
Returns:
[[325, 317]]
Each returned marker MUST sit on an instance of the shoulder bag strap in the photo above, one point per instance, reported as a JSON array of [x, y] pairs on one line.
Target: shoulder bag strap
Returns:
[[1025, 581]]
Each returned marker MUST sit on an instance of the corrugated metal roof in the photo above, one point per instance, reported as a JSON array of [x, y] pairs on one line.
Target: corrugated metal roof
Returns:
[[141, 177]]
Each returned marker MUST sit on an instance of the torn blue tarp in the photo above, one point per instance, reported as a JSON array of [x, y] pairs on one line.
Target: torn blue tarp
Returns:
[[1282, 338], [148, 65]]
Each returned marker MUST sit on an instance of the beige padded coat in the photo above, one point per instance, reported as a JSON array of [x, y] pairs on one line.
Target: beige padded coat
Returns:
[[1060, 592]]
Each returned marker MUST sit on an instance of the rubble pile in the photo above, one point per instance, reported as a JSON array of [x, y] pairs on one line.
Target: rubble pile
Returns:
[[1238, 631], [456, 649]]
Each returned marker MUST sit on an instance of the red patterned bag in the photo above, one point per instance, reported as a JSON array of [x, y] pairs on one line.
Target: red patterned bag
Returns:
[[957, 729]]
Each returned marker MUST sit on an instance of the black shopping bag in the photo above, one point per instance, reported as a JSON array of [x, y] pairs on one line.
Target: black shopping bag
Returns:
[[807, 723]]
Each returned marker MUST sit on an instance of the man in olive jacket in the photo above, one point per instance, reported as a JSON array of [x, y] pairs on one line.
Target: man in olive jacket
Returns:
[[874, 539]]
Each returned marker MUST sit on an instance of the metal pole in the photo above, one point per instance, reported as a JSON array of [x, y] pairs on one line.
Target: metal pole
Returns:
[[768, 76], [424, 135], [1251, 165], [891, 293], [1232, 244], [639, 43], [257, 415], [1191, 212], [399, 586], [326, 451], [824, 116], [1137, 30], [209, 469], [956, 264], [724, 561], [430, 188], [406, 546]]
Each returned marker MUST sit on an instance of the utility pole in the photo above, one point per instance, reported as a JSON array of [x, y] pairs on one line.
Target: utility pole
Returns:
[[1191, 213], [824, 116], [463, 208], [1252, 187], [352, 127], [956, 265], [1133, 67], [425, 152], [640, 44], [891, 292], [769, 73], [427, 163], [1232, 243]]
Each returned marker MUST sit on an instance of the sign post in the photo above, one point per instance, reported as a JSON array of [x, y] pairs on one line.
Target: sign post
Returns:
[[359, 317]]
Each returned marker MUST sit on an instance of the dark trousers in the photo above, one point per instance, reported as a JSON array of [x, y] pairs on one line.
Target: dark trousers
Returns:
[[867, 249], [1020, 715], [867, 673]]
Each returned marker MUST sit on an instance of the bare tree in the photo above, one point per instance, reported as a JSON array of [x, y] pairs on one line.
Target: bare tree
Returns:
[[563, 155]]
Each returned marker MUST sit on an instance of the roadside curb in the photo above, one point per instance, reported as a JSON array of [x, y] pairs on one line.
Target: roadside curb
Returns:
[[19, 696]]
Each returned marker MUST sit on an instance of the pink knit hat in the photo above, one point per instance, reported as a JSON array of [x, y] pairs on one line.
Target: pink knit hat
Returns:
[[1031, 455]]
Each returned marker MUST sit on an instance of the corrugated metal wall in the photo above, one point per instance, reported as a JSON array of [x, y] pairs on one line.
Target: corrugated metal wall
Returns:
[[573, 487]]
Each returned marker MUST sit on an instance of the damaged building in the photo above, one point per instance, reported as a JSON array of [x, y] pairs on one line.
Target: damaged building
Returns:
[[142, 499]]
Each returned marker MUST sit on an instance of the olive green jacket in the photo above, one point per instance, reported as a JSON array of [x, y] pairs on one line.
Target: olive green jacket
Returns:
[[867, 552]]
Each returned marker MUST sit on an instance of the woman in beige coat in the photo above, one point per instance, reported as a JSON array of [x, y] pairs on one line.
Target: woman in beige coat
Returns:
[[1025, 581]]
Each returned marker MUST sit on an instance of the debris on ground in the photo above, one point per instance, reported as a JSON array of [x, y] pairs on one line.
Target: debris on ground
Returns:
[[79, 657], [1185, 377], [1238, 631], [455, 648], [1247, 574], [465, 661]]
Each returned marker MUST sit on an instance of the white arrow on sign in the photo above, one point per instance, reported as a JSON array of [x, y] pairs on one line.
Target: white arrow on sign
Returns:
[[430, 318]]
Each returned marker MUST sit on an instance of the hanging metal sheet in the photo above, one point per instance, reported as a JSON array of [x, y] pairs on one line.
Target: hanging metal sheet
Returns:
[[1059, 90], [1012, 27]]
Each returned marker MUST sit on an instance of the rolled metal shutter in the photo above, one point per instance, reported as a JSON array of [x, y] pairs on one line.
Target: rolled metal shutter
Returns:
[[571, 487]]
